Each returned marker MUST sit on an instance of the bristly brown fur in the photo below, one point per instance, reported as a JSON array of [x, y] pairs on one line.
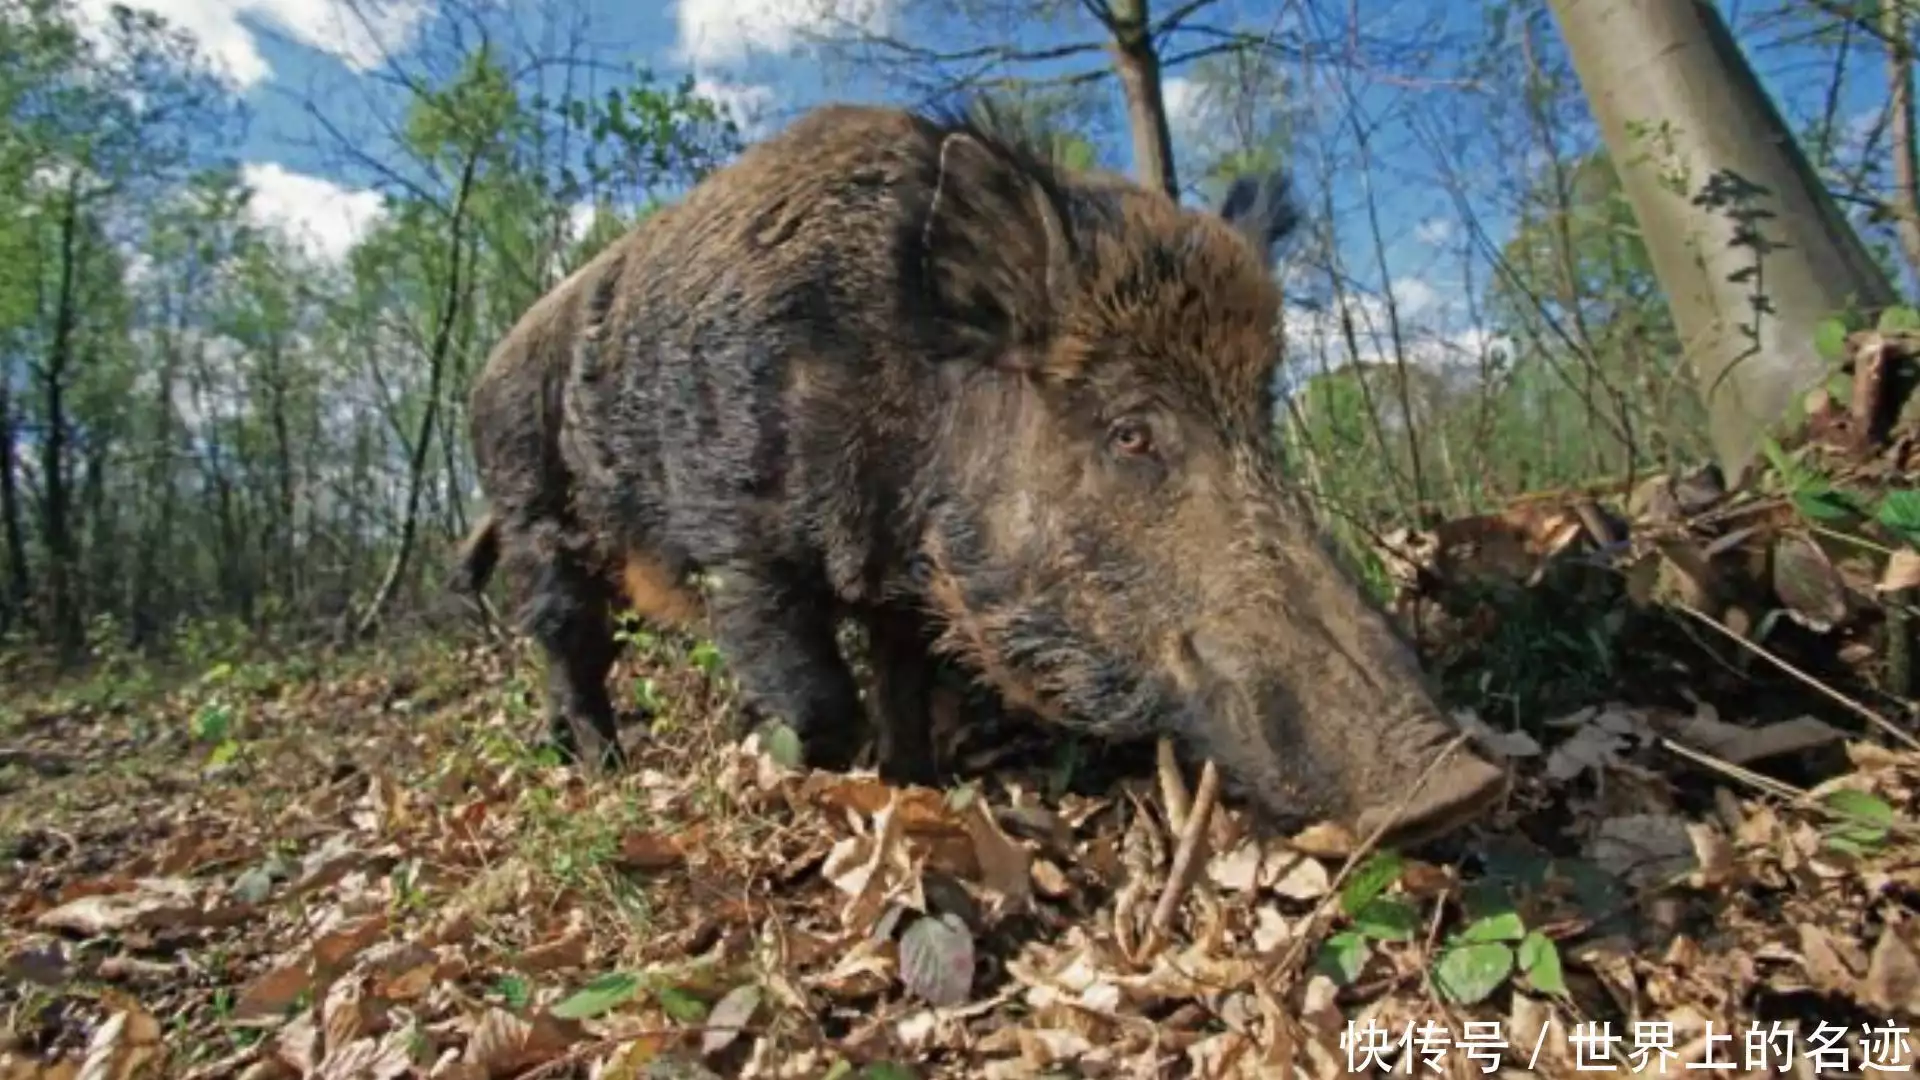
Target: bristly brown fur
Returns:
[[910, 370]]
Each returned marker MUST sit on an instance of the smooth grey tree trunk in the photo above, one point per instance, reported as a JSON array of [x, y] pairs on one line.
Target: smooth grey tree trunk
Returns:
[[1749, 248]]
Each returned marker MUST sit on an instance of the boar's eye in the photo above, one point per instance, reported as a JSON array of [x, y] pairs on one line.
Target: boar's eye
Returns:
[[1130, 436]]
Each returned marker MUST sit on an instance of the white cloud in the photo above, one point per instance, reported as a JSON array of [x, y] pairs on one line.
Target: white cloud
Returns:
[[360, 33], [1433, 232], [580, 218], [747, 103], [1412, 296], [327, 218], [727, 31], [1431, 333], [1186, 104]]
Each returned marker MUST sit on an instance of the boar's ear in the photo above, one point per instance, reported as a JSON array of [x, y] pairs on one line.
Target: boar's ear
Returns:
[[995, 249], [1262, 210]]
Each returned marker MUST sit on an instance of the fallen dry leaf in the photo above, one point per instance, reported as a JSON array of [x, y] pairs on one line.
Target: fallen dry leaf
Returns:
[[126, 1046], [503, 1043], [153, 903], [1903, 571], [1892, 982], [1741, 745]]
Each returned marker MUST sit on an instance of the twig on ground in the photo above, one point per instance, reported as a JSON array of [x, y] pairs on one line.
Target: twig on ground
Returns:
[[1173, 789], [1776, 788], [1186, 862], [1875, 718]]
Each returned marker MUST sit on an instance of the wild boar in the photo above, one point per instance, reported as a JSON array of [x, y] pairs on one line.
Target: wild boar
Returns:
[[906, 369]]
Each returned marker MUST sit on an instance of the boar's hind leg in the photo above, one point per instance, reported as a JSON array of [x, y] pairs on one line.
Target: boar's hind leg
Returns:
[[571, 618], [779, 640], [900, 645]]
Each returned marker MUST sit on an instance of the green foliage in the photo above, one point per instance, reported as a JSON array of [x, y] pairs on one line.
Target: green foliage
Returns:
[[601, 995], [1471, 964], [1866, 820]]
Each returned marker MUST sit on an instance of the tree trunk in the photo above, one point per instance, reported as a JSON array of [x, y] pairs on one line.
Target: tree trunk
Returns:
[[1750, 250], [1137, 62], [436, 368], [56, 516], [1906, 169], [13, 603]]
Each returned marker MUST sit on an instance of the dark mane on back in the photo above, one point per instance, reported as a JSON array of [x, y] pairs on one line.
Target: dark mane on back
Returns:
[[1002, 126]]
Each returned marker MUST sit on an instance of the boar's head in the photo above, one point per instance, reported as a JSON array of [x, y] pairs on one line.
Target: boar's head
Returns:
[[1106, 538]]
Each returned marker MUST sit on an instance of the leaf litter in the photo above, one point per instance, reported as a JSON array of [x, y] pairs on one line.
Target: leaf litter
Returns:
[[365, 891]]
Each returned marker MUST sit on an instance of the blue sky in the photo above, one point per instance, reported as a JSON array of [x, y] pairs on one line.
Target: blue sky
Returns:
[[292, 57]]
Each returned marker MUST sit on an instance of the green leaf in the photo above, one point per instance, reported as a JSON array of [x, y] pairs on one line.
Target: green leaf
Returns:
[[1830, 339], [705, 656], [1387, 918], [1900, 513], [603, 993], [1343, 956], [783, 745], [1821, 501], [1505, 926], [1370, 880], [1867, 807], [1867, 824], [1899, 318], [1783, 466], [514, 991], [1540, 960], [1467, 974], [887, 1070], [680, 1005]]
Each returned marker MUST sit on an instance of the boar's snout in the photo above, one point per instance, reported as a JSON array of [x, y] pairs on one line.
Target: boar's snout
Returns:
[[1300, 749]]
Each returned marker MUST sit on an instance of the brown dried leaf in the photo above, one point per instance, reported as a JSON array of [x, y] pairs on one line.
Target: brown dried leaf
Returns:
[[1051, 880], [570, 950], [503, 1043], [1740, 745], [1893, 975], [368, 1059], [1820, 959], [343, 1016], [272, 993], [1806, 582], [1713, 852], [1324, 840], [151, 904], [1004, 865], [332, 950], [127, 1045], [643, 851], [297, 1046], [730, 1016], [1237, 870], [1903, 571], [1643, 848]]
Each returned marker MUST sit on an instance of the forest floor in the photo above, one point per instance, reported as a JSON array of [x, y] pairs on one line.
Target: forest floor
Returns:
[[357, 867]]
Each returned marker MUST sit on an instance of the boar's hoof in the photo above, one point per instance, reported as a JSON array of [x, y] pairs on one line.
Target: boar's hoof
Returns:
[[1454, 795], [580, 742]]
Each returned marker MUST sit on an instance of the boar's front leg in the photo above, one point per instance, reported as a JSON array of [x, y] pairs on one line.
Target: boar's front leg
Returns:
[[900, 645], [571, 619], [777, 633]]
